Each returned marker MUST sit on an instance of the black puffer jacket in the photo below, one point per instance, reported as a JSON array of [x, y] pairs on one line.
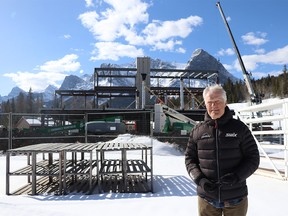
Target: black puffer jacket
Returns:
[[218, 147]]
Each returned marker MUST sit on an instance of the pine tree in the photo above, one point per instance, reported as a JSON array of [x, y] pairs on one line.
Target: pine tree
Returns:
[[13, 105], [21, 105], [285, 82], [30, 102]]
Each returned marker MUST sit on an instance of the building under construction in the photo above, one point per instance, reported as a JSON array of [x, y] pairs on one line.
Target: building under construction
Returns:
[[143, 86], [127, 91]]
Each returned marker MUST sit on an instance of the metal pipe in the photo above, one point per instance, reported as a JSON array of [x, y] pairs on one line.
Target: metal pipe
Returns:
[[181, 93]]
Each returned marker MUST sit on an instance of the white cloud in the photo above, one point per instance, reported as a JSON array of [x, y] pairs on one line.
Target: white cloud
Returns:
[[260, 51], [252, 62], [36, 81], [115, 21], [89, 3], [228, 67], [225, 52], [66, 36], [278, 56], [252, 38], [114, 51], [159, 32], [66, 64], [181, 50], [50, 73], [114, 24], [275, 57], [258, 75]]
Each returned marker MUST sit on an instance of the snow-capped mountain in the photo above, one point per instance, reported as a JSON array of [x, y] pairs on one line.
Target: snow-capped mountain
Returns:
[[49, 93], [200, 60], [14, 93]]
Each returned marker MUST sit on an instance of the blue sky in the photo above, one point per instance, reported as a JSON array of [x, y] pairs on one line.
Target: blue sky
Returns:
[[42, 41]]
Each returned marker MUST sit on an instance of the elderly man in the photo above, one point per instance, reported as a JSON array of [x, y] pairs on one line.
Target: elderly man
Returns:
[[221, 154]]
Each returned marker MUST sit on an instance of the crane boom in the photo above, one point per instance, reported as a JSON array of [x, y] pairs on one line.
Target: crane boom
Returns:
[[253, 96]]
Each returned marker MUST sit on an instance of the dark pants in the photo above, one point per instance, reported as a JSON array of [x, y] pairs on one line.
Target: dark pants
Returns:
[[206, 209]]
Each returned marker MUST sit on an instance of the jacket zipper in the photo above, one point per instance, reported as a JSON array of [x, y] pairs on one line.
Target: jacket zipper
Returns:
[[217, 161]]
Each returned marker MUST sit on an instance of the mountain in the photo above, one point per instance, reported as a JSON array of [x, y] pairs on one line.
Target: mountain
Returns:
[[49, 93], [14, 93], [70, 82], [201, 60]]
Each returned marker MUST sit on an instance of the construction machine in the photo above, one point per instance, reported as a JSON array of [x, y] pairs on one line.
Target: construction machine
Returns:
[[255, 97], [167, 120]]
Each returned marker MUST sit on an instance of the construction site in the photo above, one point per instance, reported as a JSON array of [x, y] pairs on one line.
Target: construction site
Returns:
[[142, 106]]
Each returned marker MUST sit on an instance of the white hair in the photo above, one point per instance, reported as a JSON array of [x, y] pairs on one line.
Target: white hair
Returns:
[[215, 88]]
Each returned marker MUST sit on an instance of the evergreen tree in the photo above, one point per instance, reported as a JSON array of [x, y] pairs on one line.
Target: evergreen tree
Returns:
[[13, 105], [6, 107], [39, 103], [21, 105], [285, 82], [30, 102]]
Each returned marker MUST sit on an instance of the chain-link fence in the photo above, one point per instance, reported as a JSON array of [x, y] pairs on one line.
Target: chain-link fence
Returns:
[[21, 129]]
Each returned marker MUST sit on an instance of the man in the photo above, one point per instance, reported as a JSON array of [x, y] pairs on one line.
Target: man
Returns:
[[221, 154]]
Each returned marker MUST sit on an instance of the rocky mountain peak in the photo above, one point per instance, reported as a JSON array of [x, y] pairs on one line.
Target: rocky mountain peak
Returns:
[[70, 82], [202, 60], [15, 92]]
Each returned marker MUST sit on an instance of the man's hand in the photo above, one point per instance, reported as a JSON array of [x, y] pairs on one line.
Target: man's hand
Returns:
[[229, 179], [207, 185]]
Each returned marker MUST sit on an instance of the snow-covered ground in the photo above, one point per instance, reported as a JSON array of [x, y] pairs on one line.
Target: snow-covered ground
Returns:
[[174, 193]]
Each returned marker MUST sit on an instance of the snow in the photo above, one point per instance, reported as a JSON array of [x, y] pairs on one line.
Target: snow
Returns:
[[174, 192]]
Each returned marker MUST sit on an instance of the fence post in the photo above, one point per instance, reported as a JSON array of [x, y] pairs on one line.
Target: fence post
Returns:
[[10, 131]]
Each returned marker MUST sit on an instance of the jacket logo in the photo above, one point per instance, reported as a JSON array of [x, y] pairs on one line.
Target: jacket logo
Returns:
[[205, 135], [231, 135]]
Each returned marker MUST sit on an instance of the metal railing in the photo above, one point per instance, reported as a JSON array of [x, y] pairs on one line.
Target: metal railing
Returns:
[[269, 125]]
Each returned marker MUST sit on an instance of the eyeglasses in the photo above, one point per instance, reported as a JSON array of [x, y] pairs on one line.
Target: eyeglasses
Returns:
[[217, 102]]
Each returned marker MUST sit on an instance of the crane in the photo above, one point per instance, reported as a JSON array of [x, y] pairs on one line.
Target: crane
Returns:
[[255, 97], [167, 119]]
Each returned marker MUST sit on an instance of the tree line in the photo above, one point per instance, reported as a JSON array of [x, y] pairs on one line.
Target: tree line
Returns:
[[23, 103], [269, 87]]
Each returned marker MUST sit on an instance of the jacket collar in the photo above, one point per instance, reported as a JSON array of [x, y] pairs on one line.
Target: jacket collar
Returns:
[[220, 121]]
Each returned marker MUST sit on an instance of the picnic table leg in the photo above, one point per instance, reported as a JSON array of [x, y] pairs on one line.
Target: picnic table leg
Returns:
[[7, 173], [33, 173], [29, 163], [60, 171], [97, 171], [124, 168], [151, 167], [50, 162], [64, 174], [74, 161], [90, 174]]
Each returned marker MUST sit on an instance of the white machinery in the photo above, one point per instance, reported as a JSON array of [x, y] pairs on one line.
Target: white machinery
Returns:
[[255, 97], [168, 119]]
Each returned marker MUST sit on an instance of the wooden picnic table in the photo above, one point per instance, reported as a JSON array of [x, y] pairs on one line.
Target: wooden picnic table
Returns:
[[59, 167], [80, 166], [32, 170], [69, 161], [124, 165]]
